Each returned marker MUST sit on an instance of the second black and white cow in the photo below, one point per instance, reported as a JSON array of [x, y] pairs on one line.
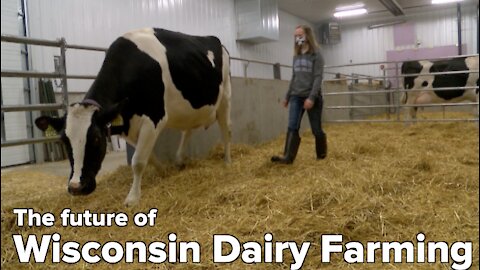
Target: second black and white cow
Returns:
[[467, 80], [152, 79]]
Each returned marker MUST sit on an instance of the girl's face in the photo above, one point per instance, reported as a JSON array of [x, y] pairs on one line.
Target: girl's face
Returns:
[[300, 36]]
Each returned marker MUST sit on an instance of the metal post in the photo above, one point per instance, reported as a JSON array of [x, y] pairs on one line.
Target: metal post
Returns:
[[4, 135], [397, 101], [459, 28], [387, 95], [63, 71], [245, 68], [276, 71], [351, 98]]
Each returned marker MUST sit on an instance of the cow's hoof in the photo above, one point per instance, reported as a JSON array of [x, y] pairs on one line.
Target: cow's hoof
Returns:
[[131, 201], [180, 166]]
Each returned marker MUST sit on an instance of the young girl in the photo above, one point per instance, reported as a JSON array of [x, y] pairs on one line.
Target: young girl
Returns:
[[303, 94]]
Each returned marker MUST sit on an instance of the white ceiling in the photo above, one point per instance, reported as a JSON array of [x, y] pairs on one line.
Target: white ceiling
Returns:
[[317, 11]]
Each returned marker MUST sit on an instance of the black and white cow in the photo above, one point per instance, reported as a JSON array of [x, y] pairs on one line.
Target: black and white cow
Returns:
[[428, 81], [151, 78]]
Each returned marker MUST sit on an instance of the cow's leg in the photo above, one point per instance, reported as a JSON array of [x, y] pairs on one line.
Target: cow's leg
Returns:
[[179, 162], [413, 113], [410, 112], [147, 137]]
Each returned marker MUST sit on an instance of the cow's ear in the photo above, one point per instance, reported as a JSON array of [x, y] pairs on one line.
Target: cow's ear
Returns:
[[43, 122], [108, 114]]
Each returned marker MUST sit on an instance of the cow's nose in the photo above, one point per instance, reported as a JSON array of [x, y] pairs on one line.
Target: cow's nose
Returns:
[[84, 187]]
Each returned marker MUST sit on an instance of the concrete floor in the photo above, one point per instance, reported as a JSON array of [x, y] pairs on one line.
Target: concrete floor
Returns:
[[62, 168]]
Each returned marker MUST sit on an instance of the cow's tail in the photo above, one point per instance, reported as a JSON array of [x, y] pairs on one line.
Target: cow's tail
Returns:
[[229, 60], [226, 73]]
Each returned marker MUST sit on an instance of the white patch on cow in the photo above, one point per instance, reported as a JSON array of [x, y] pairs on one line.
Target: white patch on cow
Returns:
[[142, 134], [79, 119], [418, 82], [472, 94], [211, 57], [472, 64], [179, 112], [136, 122]]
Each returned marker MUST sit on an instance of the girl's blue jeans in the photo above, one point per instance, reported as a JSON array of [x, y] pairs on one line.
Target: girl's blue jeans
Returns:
[[296, 111]]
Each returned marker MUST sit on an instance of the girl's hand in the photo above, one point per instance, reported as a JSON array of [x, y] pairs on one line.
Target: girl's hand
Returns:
[[308, 104], [285, 103]]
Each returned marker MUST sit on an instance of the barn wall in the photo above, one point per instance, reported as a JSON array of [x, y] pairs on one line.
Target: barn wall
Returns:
[[98, 23], [361, 45]]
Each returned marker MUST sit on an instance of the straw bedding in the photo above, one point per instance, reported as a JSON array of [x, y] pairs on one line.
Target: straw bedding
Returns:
[[380, 182]]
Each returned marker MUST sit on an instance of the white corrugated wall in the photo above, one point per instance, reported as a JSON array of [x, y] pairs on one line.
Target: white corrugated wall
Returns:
[[359, 45], [15, 123], [98, 23], [439, 28]]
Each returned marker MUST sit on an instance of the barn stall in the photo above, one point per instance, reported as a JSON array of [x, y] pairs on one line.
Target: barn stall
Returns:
[[381, 181]]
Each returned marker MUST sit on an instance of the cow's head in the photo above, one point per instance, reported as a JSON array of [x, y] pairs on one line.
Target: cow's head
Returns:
[[84, 131]]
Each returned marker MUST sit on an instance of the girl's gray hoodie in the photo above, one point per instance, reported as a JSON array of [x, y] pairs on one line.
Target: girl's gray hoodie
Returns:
[[307, 75]]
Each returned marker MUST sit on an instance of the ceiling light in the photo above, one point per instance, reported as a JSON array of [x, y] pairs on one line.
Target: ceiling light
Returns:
[[393, 7], [352, 12], [444, 1], [350, 7]]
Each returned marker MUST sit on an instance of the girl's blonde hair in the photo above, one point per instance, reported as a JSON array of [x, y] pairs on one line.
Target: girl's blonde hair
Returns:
[[310, 39]]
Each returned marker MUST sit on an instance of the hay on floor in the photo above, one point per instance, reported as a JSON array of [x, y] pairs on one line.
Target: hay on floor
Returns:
[[380, 182]]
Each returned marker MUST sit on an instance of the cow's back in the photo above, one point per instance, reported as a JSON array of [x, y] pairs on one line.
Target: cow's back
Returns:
[[195, 65], [169, 76]]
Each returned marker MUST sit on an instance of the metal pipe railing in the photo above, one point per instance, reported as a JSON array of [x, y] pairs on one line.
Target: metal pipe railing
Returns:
[[30, 141], [258, 62], [380, 91], [30, 74], [30, 41], [403, 106], [34, 107], [410, 75], [87, 48], [394, 62], [394, 121]]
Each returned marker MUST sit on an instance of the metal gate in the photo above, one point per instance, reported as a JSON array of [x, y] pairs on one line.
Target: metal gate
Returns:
[[351, 100], [60, 73]]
